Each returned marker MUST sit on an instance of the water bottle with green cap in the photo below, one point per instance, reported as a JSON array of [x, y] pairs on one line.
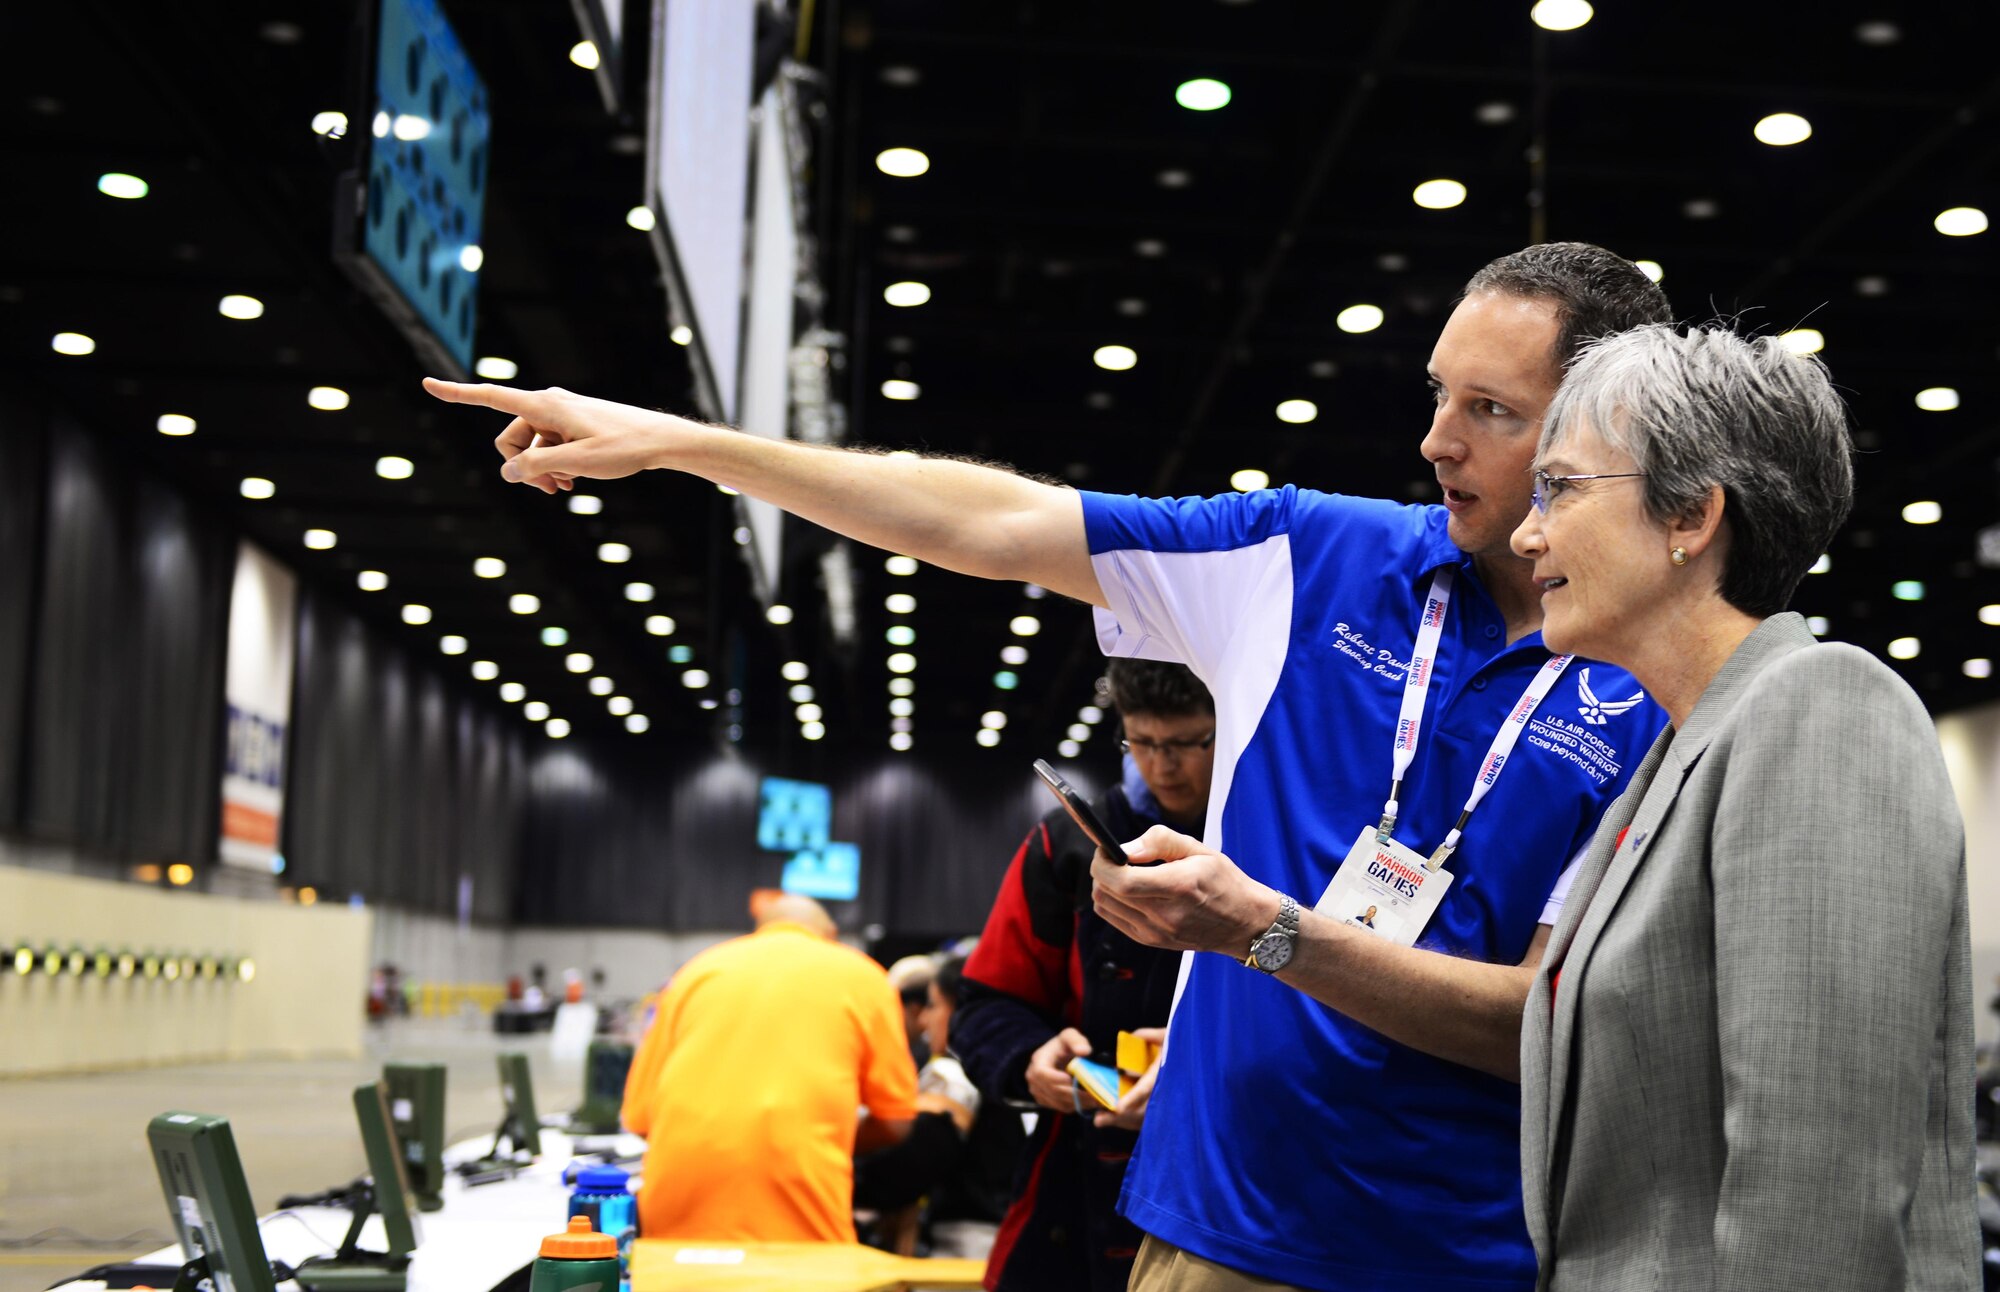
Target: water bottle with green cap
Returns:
[[580, 1260]]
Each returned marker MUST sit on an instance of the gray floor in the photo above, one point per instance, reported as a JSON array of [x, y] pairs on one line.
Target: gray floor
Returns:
[[73, 1149]]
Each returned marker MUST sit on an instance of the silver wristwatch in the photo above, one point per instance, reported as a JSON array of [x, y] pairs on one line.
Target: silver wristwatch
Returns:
[[1273, 951]]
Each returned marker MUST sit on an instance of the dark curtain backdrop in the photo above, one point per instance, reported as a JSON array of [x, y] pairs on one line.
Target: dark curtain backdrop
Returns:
[[124, 726], [398, 787], [23, 436]]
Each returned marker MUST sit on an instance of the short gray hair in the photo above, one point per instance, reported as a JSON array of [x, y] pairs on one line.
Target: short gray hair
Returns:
[[1709, 407]]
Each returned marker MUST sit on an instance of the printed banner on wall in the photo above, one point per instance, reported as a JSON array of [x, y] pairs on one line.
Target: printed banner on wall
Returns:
[[263, 621]]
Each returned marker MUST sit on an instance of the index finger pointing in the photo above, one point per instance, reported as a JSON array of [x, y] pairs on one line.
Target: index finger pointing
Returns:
[[506, 399]]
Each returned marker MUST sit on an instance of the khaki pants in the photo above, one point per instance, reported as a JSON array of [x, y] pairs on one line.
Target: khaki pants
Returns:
[[1162, 1267]]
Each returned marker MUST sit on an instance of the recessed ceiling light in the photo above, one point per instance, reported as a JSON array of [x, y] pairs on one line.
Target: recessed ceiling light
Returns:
[[993, 718], [901, 76], [1078, 732], [118, 184], [900, 741], [900, 635], [812, 730], [799, 693], [524, 603], [321, 540], [453, 644], [1131, 307], [903, 163], [1024, 625], [1359, 318], [1905, 648], [327, 399], [809, 712], [1006, 680], [902, 662], [513, 692], [1014, 655], [902, 707], [371, 580], [901, 565], [584, 54], [1878, 33], [485, 670], [794, 670], [602, 685], [614, 553], [1818, 625], [1151, 248], [1090, 713], [988, 737], [660, 625], [1803, 340], [618, 705], [902, 686], [639, 592], [1323, 369], [555, 635], [901, 390], [1701, 208], [637, 724], [1937, 399], [416, 615], [1989, 615], [778, 613], [394, 468], [1961, 221], [642, 219], [681, 335], [256, 487], [1249, 480], [1651, 269], [585, 504], [694, 679], [1068, 748], [1980, 668], [579, 662], [493, 368], [1561, 15], [1438, 194], [1115, 358], [1923, 513], [1782, 129], [1034, 591], [333, 125], [900, 603], [906, 294], [471, 258], [1297, 411], [1822, 565], [409, 127], [72, 343], [557, 728], [1174, 177], [241, 307], [1203, 94], [1907, 589], [535, 710], [1871, 285], [175, 424], [489, 567], [1497, 113]]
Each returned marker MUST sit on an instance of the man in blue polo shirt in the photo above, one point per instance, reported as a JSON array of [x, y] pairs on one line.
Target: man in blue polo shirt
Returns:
[[1336, 1108]]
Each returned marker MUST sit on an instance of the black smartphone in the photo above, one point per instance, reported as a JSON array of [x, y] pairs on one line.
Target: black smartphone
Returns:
[[1079, 810]]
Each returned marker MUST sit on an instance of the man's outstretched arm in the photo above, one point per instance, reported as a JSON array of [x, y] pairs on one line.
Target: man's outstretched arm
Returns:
[[977, 520]]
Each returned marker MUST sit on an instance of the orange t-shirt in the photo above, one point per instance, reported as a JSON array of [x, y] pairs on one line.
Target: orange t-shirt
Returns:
[[747, 1086]]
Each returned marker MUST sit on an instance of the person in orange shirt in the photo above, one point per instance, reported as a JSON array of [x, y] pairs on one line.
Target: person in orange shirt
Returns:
[[749, 1085]]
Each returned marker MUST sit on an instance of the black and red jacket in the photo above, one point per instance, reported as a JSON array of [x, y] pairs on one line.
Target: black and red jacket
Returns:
[[1047, 961]]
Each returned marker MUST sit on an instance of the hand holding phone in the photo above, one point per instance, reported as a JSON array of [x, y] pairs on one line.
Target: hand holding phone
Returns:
[[1080, 811]]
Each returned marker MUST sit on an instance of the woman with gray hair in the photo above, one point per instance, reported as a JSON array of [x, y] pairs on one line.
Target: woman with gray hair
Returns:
[[1747, 1056]]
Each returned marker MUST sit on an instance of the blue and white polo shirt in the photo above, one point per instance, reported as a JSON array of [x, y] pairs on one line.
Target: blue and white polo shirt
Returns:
[[1285, 1140]]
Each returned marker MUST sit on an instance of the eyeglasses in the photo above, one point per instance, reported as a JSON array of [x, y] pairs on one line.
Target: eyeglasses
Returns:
[[1171, 750], [1548, 488]]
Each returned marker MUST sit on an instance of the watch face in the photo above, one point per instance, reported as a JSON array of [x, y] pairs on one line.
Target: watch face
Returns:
[[1273, 953]]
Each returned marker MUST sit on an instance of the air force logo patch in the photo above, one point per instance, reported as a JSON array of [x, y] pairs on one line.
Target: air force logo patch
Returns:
[[1597, 712]]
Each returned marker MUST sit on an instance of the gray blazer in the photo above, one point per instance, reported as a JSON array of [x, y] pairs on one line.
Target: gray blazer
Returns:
[[1756, 1070]]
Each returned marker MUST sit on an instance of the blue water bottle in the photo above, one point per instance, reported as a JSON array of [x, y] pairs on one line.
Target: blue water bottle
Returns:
[[604, 1194]]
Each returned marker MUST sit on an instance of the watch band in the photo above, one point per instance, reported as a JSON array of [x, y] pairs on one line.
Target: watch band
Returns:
[[1285, 928]]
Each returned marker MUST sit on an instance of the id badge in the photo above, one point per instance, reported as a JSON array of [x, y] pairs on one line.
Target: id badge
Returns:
[[1384, 888]]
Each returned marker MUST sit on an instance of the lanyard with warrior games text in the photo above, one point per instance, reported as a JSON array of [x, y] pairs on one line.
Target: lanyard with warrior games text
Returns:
[[1382, 886], [1410, 720]]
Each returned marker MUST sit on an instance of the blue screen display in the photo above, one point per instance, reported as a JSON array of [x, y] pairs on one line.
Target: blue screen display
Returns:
[[832, 872], [793, 814], [426, 171]]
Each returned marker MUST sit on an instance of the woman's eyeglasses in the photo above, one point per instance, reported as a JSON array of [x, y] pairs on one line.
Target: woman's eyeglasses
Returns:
[[1548, 488]]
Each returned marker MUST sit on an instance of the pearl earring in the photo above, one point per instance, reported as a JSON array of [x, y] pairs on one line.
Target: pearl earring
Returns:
[[1679, 556]]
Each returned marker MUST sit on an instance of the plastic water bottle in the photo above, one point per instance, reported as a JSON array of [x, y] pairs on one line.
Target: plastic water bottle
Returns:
[[604, 1195], [578, 1260]]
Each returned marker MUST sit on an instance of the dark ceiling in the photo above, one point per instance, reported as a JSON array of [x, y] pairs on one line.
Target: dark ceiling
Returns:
[[1044, 229]]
